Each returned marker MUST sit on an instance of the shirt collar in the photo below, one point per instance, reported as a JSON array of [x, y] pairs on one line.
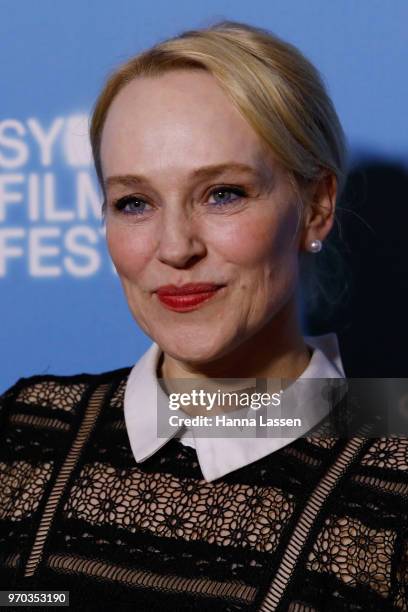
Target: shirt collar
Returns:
[[217, 456]]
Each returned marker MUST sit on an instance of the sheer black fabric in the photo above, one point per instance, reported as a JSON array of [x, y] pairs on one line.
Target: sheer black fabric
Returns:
[[320, 525]]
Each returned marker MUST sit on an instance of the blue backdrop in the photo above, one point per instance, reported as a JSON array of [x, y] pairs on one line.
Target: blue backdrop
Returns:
[[62, 308]]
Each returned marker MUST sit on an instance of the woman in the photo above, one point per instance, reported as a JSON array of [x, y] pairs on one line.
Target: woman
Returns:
[[221, 158]]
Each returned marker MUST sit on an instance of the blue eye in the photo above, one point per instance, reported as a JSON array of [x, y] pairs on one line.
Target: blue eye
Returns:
[[226, 195], [131, 205], [222, 196]]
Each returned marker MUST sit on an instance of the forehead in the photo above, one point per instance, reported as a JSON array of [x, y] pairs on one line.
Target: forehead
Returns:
[[182, 119]]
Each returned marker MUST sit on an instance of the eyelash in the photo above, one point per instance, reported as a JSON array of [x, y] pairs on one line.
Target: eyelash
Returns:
[[121, 203]]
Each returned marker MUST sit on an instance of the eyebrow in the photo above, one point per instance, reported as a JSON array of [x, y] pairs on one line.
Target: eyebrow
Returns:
[[206, 172]]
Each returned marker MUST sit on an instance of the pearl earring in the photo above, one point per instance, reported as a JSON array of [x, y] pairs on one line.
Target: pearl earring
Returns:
[[315, 246]]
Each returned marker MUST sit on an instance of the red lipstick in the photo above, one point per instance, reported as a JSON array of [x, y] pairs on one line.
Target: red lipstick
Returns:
[[186, 297]]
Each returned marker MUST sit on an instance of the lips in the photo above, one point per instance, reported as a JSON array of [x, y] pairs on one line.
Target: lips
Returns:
[[186, 297], [188, 289]]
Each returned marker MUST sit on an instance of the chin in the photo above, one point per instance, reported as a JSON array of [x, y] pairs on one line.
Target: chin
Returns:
[[194, 349]]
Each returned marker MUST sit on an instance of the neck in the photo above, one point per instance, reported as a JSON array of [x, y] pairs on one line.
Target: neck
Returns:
[[277, 350]]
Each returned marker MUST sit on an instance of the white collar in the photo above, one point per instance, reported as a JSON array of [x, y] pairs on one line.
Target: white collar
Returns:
[[217, 456]]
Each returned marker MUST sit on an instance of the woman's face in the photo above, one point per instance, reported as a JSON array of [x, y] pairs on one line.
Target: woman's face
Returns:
[[193, 197]]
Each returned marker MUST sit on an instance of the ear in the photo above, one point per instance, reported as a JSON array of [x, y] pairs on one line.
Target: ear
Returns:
[[320, 202]]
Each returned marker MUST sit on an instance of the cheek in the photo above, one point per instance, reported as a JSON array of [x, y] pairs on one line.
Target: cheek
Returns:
[[257, 241], [130, 250]]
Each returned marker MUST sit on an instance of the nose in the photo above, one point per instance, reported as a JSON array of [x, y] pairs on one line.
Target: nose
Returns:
[[180, 244]]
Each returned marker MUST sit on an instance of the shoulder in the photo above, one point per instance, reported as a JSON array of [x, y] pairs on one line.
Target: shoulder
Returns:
[[61, 391]]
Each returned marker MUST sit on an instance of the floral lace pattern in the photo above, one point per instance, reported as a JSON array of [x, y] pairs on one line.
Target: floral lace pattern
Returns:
[[158, 527], [118, 396], [389, 453], [219, 513], [356, 553], [50, 394], [21, 488]]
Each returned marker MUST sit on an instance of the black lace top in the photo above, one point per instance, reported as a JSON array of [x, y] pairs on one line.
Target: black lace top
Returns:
[[320, 525]]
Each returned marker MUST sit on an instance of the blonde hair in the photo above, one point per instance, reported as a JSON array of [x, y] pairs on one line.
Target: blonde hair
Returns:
[[277, 90]]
